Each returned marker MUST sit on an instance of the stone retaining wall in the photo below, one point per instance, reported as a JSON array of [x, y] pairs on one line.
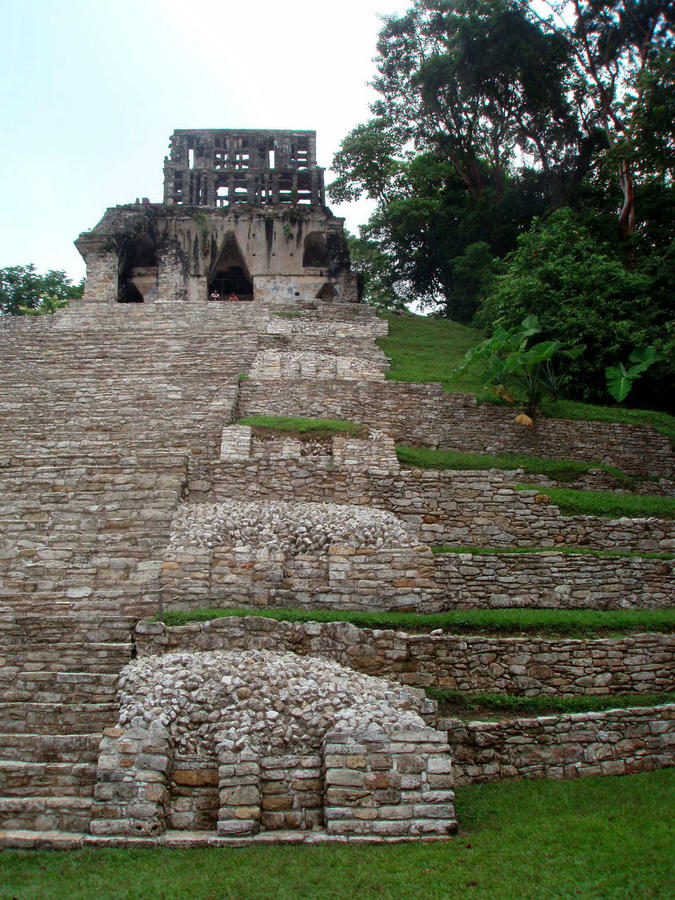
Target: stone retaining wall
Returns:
[[514, 665], [554, 580], [451, 507], [613, 742], [424, 414], [342, 577]]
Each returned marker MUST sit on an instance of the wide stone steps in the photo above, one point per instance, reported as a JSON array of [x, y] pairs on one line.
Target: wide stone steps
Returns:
[[19, 778], [50, 748], [51, 717], [60, 687], [45, 813]]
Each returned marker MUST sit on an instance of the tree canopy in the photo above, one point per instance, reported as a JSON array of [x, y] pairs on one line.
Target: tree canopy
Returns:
[[491, 116], [23, 288]]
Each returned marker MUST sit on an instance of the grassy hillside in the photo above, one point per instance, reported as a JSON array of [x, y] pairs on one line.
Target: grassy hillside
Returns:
[[426, 349], [594, 838]]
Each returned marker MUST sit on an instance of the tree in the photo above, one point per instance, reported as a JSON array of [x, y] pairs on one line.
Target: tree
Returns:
[[22, 286], [477, 81], [615, 45]]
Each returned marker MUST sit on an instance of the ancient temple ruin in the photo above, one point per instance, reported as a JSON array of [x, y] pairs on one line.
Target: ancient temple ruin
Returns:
[[243, 214], [150, 522]]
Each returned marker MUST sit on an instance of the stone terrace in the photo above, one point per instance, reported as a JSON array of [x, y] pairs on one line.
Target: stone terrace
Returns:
[[116, 417]]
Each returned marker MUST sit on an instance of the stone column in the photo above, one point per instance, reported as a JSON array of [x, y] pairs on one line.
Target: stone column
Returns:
[[239, 784], [392, 785], [131, 791]]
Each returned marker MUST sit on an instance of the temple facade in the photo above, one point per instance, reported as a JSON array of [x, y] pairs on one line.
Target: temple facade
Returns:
[[243, 215]]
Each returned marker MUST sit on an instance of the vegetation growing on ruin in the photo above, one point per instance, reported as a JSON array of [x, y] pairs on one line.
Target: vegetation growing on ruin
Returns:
[[604, 503], [423, 348], [520, 157], [559, 469], [463, 704], [593, 838], [573, 622], [561, 549], [306, 427]]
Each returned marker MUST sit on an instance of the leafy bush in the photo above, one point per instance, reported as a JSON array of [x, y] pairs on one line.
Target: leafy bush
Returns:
[[581, 290]]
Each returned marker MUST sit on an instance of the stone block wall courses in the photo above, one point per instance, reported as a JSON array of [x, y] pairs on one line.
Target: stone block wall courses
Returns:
[[445, 507], [555, 581], [613, 742], [392, 785], [516, 665], [425, 415]]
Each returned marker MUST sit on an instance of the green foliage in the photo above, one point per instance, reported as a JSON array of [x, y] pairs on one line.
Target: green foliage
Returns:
[[463, 704], [516, 369], [559, 469], [301, 426], [426, 349], [620, 380], [46, 307], [598, 838], [23, 289], [581, 291], [599, 503], [471, 621]]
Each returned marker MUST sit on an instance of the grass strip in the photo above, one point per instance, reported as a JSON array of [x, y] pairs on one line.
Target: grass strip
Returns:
[[563, 550], [602, 503], [422, 348], [555, 622], [462, 704], [590, 838], [298, 425], [559, 469], [587, 412]]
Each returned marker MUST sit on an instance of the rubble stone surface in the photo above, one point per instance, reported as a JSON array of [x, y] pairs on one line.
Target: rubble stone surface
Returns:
[[270, 701]]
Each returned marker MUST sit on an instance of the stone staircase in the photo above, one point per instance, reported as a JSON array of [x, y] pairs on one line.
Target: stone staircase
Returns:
[[118, 418]]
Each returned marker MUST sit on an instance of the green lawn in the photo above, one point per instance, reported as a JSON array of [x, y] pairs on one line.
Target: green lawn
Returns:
[[426, 349], [594, 839], [559, 469], [300, 426], [570, 622], [601, 503]]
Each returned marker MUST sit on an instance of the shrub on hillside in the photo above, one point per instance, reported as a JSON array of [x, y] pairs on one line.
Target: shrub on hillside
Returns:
[[582, 291]]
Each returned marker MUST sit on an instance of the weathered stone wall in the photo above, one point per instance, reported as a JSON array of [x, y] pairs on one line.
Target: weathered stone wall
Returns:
[[341, 576], [392, 785], [461, 508], [554, 580], [423, 414], [515, 665], [613, 742]]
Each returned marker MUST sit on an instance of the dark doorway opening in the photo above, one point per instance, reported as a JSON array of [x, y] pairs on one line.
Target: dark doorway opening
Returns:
[[230, 275], [138, 270]]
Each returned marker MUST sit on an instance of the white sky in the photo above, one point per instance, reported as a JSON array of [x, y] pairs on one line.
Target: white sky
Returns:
[[90, 91]]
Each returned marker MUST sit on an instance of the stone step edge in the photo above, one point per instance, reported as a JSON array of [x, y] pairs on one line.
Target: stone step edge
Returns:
[[11, 765], [62, 840]]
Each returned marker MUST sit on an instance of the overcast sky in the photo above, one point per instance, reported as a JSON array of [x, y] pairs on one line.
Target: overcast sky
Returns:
[[90, 91]]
